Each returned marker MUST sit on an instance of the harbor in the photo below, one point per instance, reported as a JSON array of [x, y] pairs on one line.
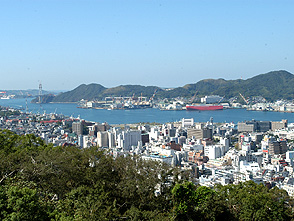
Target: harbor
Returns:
[[118, 116]]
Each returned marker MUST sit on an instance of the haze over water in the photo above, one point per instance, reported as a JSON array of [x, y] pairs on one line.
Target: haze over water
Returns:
[[147, 115]]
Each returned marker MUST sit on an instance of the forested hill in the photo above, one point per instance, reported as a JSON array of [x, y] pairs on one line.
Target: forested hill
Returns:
[[272, 86], [97, 91], [87, 92]]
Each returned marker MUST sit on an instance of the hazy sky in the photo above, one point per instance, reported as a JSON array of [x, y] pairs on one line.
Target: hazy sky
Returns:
[[165, 43]]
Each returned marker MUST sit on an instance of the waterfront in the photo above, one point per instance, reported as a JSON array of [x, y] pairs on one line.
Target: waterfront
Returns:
[[147, 115]]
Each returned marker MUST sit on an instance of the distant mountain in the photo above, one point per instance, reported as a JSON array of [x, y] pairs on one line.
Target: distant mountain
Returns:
[[24, 93], [272, 86], [87, 92], [97, 91], [46, 98], [130, 90]]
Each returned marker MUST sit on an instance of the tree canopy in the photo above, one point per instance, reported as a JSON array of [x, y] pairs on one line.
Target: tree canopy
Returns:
[[43, 182]]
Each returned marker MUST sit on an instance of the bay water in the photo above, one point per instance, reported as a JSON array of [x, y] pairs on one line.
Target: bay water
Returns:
[[149, 115]]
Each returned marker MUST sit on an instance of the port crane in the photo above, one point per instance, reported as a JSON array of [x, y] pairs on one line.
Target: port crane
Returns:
[[244, 98], [193, 98], [221, 100], [152, 97]]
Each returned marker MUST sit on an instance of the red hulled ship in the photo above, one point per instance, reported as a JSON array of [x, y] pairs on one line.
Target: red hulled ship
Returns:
[[204, 107]]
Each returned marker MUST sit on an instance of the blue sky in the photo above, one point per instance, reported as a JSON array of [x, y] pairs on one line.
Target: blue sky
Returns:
[[168, 43]]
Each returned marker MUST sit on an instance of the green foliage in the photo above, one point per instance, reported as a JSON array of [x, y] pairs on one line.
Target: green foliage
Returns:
[[23, 204], [272, 86], [191, 202], [137, 214], [42, 182], [184, 200], [245, 201], [18, 202], [88, 203], [130, 90], [88, 92], [250, 201], [97, 91]]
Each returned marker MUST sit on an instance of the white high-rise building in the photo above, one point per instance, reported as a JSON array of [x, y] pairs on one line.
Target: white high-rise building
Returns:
[[226, 143], [128, 138], [80, 140], [111, 140], [154, 133], [102, 138], [212, 152], [187, 122], [87, 141]]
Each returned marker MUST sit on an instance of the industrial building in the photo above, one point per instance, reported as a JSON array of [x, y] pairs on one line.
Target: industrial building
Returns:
[[211, 99], [254, 126]]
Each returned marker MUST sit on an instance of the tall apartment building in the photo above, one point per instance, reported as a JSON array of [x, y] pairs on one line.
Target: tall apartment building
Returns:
[[102, 127], [214, 151], [276, 125], [87, 141], [245, 127], [93, 129], [106, 139], [277, 147], [283, 146], [128, 138], [196, 133], [102, 139], [167, 132], [111, 139], [207, 133], [263, 126], [254, 126], [77, 128], [199, 133]]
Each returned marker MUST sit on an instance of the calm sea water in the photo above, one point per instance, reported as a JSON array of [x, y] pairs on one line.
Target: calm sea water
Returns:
[[147, 115]]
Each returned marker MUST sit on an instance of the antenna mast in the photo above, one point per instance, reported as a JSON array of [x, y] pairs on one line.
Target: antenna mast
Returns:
[[27, 109], [40, 92]]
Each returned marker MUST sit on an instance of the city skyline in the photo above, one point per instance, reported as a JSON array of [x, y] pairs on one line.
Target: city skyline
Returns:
[[163, 43]]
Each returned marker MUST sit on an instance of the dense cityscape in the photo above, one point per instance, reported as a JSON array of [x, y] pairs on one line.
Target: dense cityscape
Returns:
[[224, 153], [193, 154], [147, 110], [205, 153]]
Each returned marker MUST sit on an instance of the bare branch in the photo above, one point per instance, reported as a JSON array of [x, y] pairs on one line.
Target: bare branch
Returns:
[[7, 175]]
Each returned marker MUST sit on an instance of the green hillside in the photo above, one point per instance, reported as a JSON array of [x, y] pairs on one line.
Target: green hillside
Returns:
[[272, 86], [130, 90], [88, 92]]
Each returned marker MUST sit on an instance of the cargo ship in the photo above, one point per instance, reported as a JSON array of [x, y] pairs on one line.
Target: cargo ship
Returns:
[[204, 107]]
